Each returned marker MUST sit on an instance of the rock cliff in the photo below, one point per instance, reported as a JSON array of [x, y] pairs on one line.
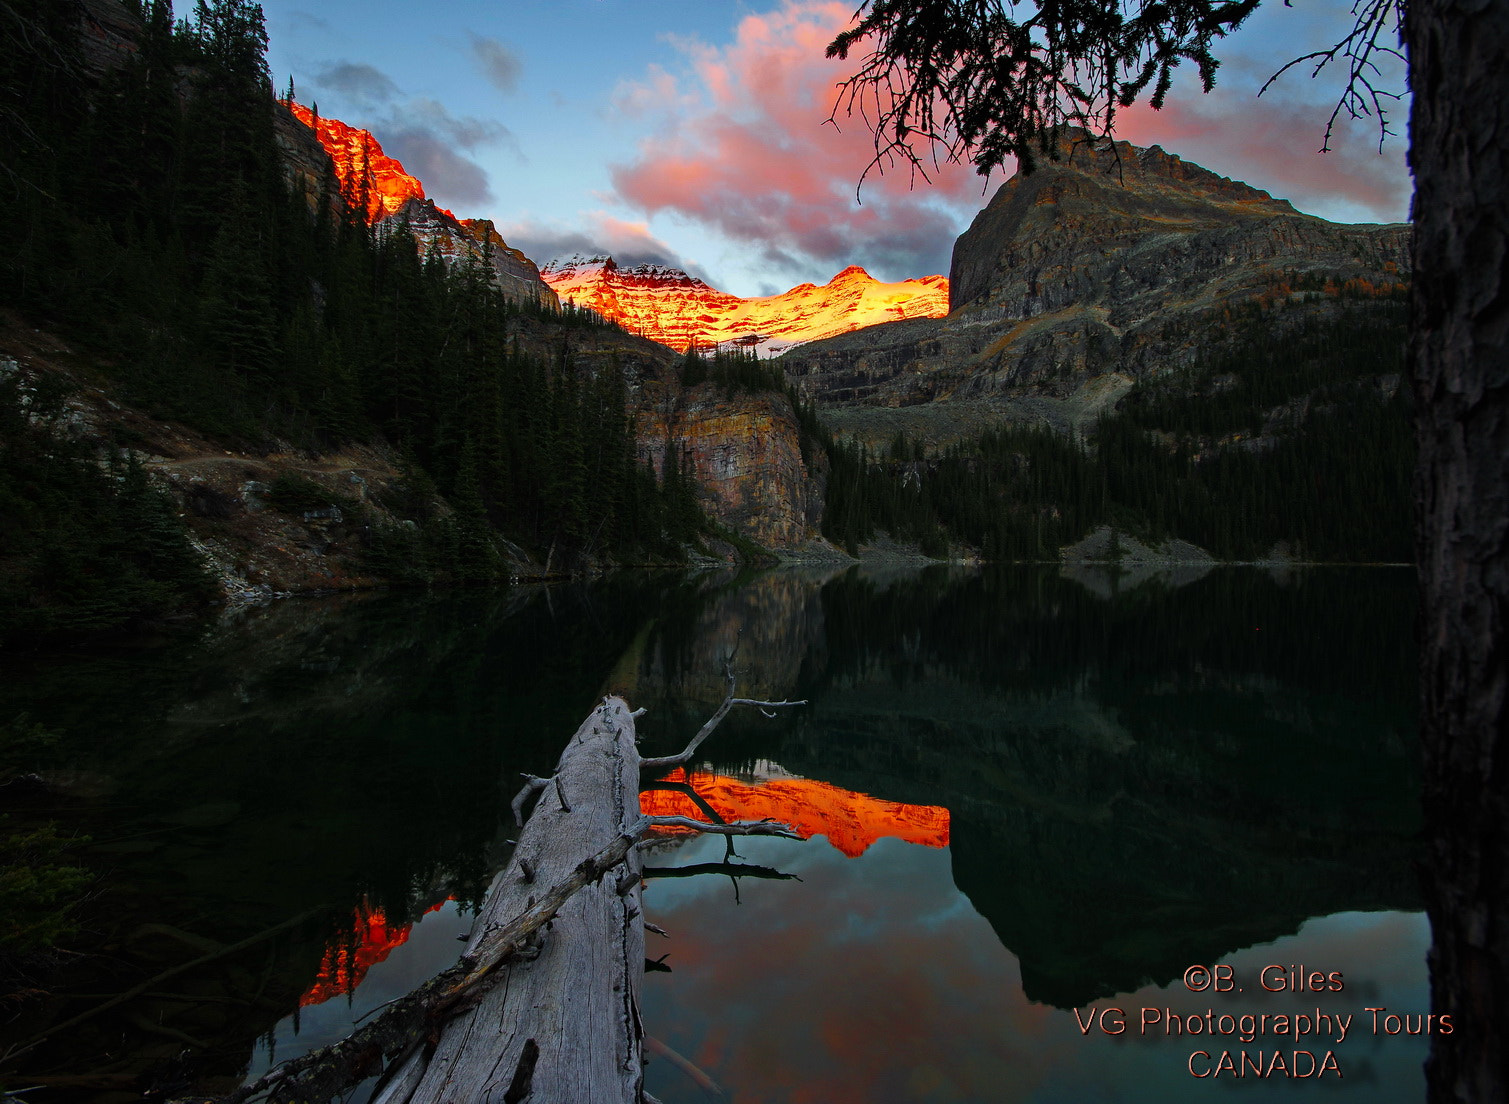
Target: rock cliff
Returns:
[[110, 35], [474, 240], [669, 306], [369, 177], [1112, 259], [745, 452]]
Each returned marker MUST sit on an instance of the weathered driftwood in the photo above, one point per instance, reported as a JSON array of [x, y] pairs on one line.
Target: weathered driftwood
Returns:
[[544, 1004], [564, 1026]]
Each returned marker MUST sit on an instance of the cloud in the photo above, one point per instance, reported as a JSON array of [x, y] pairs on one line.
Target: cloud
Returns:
[[499, 64], [361, 83], [432, 143], [466, 131], [1273, 142], [453, 180], [429, 140], [740, 146], [628, 243], [303, 20]]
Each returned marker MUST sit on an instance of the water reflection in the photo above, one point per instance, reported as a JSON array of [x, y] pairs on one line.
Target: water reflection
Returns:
[[849, 821], [263, 783], [1132, 785], [1126, 785], [826, 990]]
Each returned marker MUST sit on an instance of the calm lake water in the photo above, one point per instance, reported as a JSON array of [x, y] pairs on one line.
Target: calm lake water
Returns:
[[1035, 802]]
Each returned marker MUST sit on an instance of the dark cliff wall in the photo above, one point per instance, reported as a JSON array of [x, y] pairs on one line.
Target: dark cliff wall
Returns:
[[1113, 259]]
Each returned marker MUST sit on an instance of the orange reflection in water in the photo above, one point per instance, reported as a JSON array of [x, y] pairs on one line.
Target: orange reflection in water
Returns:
[[347, 960], [851, 821]]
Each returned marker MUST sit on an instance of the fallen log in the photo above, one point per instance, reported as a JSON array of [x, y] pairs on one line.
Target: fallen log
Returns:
[[544, 1004], [566, 1025]]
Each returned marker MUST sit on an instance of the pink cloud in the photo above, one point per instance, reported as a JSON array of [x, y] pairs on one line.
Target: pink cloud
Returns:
[[755, 160], [741, 147], [1273, 142]]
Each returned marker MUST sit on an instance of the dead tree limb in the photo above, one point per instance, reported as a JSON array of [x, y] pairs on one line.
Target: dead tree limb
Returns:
[[532, 786], [544, 1004], [729, 701], [741, 828], [732, 870]]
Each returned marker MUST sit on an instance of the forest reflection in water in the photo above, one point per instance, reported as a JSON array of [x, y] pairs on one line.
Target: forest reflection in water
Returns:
[[1134, 781]]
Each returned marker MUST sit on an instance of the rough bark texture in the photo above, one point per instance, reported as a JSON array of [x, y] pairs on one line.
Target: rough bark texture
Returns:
[[1460, 156], [565, 1027]]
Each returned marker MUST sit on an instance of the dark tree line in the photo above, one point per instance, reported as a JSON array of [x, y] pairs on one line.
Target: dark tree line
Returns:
[[153, 224], [1193, 457]]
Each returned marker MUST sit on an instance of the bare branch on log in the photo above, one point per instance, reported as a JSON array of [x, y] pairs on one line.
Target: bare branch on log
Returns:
[[499, 944], [732, 870], [532, 786], [740, 828], [690, 794], [322, 1073], [729, 701]]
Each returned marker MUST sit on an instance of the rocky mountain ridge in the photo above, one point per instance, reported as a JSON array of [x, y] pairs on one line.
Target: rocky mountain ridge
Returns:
[[676, 309], [368, 177], [1113, 262]]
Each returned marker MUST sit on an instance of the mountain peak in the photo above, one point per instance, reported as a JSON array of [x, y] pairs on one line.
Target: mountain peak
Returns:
[[364, 171], [1097, 190], [361, 165], [578, 262], [667, 305]]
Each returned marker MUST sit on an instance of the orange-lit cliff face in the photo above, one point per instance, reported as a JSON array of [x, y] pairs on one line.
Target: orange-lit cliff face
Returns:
[[851, 821], [667, 305], [355, 153], [361, 167], [346, 962]]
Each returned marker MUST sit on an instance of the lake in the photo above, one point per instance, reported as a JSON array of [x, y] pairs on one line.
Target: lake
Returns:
[[1035, 802]]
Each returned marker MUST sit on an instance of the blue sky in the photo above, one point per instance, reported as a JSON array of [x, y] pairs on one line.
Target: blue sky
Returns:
[[691, 132]]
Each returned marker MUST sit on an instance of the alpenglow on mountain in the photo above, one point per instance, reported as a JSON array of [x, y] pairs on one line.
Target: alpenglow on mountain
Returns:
[[370, 179], [663, 304], [675, 309]]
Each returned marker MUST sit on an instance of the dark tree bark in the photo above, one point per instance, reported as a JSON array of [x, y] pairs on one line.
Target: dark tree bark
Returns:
[[1459, 68]]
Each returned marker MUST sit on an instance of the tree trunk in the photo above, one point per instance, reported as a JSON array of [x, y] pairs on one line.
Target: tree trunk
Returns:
[[1459, 70], [562, 1028]]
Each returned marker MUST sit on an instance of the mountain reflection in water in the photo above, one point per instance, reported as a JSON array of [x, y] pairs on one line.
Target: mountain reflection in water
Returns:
[[850, 821], [1113, 789], [371, 940]]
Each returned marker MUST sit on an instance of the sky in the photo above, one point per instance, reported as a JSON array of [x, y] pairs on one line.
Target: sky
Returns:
[[693, 133]]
